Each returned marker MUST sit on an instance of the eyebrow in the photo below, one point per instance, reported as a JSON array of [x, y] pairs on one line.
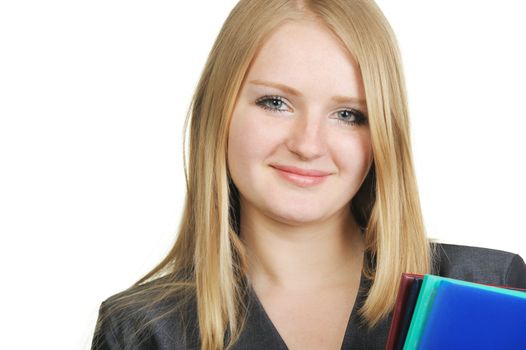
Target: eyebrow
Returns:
[[294, 92]]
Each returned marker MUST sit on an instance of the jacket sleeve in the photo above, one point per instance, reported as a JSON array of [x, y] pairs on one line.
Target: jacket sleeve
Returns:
[[516, 274], [104, 337]]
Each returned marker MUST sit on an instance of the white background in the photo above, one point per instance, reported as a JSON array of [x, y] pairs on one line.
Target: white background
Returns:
[[93, 96]]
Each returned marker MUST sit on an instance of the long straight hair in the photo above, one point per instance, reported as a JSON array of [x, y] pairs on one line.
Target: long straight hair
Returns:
[[208, 259]]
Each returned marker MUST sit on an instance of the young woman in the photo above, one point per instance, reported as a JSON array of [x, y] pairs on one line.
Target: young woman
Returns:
[[302, 209]]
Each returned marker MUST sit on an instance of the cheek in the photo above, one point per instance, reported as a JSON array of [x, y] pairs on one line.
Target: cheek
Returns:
[[251, 140], [355, 155]]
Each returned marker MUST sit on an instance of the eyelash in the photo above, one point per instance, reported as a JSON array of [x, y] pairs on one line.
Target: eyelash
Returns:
[[360, 117]]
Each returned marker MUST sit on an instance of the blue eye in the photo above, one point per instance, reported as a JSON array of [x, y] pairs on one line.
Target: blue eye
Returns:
[[352, 116], [272, 103], [349, 116]]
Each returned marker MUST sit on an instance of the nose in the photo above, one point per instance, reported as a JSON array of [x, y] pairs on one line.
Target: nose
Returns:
[[307, 137]]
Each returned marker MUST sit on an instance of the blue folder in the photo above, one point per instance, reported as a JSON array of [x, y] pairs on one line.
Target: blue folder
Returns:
[[463, 315], [475, 317]]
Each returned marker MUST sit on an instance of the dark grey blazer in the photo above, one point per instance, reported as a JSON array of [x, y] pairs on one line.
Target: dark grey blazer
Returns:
[[461, 262]]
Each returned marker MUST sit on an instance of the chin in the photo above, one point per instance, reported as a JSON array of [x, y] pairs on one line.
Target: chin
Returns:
[[297, 216]]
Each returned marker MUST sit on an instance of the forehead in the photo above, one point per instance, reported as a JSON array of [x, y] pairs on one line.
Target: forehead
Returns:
[[307, 55]]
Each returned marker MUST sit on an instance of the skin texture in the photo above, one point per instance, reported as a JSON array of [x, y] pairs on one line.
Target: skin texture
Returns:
[[304, 245]]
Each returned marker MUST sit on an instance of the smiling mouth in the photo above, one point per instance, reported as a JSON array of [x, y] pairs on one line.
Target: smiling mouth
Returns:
[[301, 177], [300, 171]]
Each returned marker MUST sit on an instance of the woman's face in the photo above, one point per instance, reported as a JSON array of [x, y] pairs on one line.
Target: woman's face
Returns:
[[300, 108]]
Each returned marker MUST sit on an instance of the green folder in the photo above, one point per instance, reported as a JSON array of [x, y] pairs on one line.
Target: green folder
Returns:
[[422, 308]]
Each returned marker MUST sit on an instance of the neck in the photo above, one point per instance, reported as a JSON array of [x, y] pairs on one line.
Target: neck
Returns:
[[311, 257]]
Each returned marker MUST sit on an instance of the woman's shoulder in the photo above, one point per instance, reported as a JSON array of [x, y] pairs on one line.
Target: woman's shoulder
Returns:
[[481, 265], [145, 316]]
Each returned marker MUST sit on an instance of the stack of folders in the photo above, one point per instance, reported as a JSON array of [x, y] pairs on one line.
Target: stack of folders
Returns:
[[434, 312]]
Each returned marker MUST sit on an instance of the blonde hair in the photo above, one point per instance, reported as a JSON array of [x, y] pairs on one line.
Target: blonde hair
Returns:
[[208, 259]]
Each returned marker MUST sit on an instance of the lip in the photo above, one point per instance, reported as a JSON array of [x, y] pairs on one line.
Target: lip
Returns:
[[299, 171], [301, 177]]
